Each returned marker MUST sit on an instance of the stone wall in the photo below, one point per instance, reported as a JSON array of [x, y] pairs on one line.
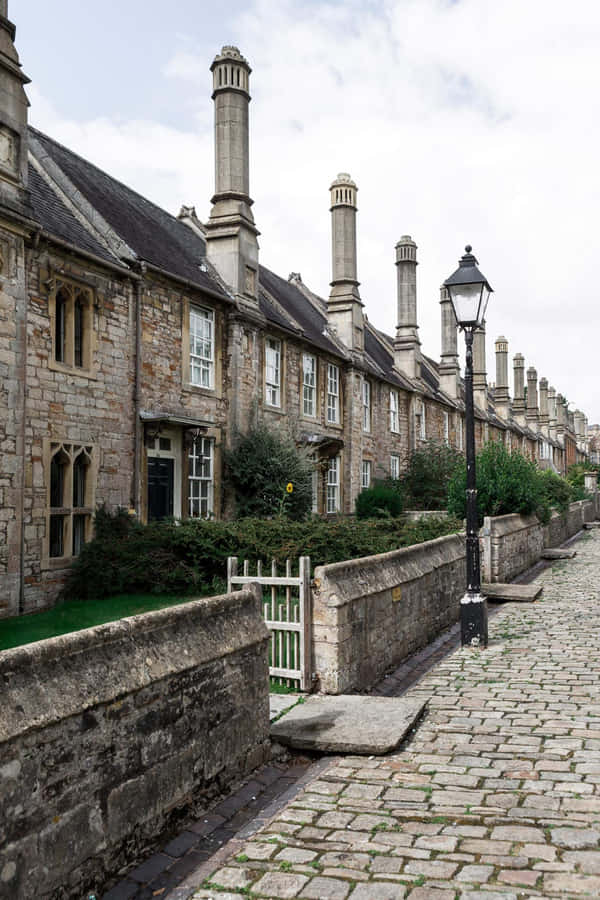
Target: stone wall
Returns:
[[109, 734], [369, 614], [512, 544]]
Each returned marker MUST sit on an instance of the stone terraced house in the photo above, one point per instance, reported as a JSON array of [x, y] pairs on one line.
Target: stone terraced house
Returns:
[[133, 344]]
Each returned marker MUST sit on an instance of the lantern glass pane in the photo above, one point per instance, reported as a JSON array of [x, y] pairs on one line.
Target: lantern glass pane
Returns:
[[466, 303]]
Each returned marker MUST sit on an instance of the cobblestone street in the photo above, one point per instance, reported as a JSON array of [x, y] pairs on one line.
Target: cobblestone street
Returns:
[[497, 795]]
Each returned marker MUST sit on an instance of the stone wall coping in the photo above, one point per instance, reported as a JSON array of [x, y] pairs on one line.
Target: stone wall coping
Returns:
[[355, 578], [47, 681], [498, 526]]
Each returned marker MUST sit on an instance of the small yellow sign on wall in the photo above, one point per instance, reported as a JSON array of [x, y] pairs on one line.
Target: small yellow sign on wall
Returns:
[[396, 594]]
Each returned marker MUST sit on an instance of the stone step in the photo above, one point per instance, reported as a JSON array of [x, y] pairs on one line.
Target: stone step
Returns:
[[558, 553], [589, 525], [348, 723], [524, 593]]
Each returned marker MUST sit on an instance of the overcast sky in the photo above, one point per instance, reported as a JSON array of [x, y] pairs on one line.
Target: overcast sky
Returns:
[[468, 121]]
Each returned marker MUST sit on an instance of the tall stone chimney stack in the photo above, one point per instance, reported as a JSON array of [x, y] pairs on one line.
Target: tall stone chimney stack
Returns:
[[344, 307], [519, 388], [561, 418], [449, 368], [231, 235], [552, 412], [479, 372], [544, 418], [13, 121], [501, 395], [407, 344], [532, 400]]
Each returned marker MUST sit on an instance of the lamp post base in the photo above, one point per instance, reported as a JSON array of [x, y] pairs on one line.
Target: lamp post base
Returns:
[[473, 620]]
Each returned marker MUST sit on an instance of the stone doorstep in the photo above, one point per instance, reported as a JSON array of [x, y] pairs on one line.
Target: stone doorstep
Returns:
[[524, 593], [348, 723], [589, 525], [558, 553]]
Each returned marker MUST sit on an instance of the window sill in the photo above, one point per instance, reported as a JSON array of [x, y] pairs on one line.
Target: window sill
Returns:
[[274, 409], [199, 389], [54, 366], [58, 562]]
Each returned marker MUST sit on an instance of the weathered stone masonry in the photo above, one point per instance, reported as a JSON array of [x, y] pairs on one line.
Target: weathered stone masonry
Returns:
[[109, 734]]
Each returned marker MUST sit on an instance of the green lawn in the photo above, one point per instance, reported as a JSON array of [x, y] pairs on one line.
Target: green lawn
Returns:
[[74, 615]]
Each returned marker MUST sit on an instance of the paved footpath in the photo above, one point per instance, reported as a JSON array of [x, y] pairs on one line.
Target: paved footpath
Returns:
[[496, 795]]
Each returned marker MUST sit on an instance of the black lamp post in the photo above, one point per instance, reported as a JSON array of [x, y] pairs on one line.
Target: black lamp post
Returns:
[[469, 292]]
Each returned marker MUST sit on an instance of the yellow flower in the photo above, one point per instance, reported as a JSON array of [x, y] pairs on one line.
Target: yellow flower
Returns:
[[289, 487]]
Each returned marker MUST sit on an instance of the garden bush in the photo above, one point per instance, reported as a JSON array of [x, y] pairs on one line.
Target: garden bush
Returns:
[[260, 466], [511, 483], [190, 557], [506, 483], [575, 477], [428, 475], [383, 500]]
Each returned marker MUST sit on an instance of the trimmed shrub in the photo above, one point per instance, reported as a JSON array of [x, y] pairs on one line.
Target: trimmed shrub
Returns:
[[428, 475], [259, 468], [379, 502], [191, 556]]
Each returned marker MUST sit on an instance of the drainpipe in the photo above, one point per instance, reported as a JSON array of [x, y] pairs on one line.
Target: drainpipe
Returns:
[[137, 391]]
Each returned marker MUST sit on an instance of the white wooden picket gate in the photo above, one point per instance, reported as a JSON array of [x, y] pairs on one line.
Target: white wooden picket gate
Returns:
[[287, 612]]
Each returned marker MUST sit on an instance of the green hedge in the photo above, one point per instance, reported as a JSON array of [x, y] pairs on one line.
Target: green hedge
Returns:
[[510, 483], [169, 557]]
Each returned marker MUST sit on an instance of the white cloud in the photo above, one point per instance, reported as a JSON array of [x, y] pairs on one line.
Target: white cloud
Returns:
[[470, 121]]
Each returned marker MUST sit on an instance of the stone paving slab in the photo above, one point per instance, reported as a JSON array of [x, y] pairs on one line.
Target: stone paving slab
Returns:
[[278, 703], [495, 797], [348, 723], [558, 553], [523, 593]]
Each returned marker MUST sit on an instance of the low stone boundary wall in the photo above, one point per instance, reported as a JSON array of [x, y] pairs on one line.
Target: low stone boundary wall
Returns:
[[106, 734], [369, 614], [512, 544]]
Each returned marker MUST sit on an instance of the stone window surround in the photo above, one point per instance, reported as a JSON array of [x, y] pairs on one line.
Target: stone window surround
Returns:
[[72, 449], [73, 287], [279, 407], [333, 480], [197, 450], [366, 474], [338, 421], [315, 386], [446, 427], [394, 411], [421, 421], [366, 397], [203, 361], [217, 389]]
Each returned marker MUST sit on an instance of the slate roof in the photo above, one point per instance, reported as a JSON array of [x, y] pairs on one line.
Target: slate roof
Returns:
[[310, 320], [55, 218], [153, 234]]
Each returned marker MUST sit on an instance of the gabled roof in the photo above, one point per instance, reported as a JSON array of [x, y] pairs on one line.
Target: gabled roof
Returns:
[[153, 234], [310, 321]]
